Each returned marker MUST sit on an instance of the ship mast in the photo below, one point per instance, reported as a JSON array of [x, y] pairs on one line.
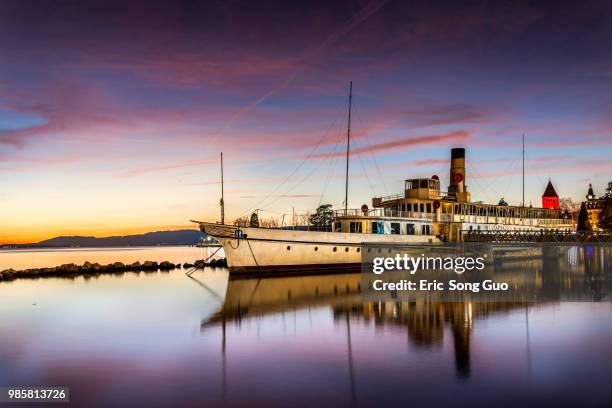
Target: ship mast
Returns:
[[348, 146], [523, 170], [221, 203]]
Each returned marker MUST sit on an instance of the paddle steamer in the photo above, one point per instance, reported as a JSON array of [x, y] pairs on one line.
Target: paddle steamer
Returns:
[[422, 214]]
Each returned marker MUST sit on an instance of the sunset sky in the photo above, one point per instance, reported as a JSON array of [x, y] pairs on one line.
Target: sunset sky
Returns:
[[113, 114]]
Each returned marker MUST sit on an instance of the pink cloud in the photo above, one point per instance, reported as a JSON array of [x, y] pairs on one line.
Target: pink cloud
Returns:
[[593, 167], [428, 140], [13, 163], [283, 196], [211, 183], [419, 163], [160, 168]]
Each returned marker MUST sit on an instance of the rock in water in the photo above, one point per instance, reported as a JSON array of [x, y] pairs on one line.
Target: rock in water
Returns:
[[149, 266], [68, 268]]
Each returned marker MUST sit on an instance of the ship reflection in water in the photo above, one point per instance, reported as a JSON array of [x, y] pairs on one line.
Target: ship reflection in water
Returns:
[[164, 339], [583, 274], [424, 322]]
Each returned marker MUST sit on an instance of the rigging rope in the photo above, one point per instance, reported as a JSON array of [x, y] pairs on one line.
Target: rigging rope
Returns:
[[370, 150], [332, 167], [306, 176], [365, 172], [299, 166], [473, 170]]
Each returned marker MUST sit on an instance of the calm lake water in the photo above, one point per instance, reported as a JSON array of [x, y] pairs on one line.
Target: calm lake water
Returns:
[[44, 258], [166, 339]]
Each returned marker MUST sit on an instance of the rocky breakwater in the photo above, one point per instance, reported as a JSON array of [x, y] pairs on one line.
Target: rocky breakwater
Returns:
[[86, 269], [94, 269]]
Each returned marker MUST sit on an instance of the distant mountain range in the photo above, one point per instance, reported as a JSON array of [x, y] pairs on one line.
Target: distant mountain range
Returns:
[[180, 237]]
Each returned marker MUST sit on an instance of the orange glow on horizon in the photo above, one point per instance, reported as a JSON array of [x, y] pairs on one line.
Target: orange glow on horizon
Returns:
[[29, 237]]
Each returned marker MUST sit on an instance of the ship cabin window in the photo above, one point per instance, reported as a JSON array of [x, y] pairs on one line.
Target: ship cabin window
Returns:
[[425, 230], [424, 183], [395, 228], [410, 229], [422, 207], [355, 227], [377, 228], [428, 207]]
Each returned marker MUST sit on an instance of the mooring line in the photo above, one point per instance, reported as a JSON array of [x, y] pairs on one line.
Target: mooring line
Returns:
[[192, 270]]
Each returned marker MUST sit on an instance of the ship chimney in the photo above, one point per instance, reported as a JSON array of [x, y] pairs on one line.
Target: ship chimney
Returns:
[[457, 187]]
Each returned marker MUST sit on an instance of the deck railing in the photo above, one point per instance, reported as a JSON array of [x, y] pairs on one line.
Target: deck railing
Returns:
[[386, 212], [525, 236], [442, 194], [392, 197], [444, 217]]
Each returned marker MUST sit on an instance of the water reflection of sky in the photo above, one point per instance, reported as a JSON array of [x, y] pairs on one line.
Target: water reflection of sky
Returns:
[[164, 339], [43, 258]]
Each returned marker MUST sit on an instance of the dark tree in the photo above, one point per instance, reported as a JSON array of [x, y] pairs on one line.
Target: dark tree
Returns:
[[254, 222], [605, 218], [323, 216], [583, 220]]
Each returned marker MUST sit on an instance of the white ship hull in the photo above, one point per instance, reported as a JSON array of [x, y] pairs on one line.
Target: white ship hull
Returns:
[[277, 251]]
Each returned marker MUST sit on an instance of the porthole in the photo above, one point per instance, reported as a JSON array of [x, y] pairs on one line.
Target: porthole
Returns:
[[335, 249], [346, 249], [288, 247], [358, 249], [316, 248], [379, 250], [369, 249]]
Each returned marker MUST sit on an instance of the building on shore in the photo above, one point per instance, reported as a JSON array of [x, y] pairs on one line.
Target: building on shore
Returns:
[[594, 207], [550, 199]]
